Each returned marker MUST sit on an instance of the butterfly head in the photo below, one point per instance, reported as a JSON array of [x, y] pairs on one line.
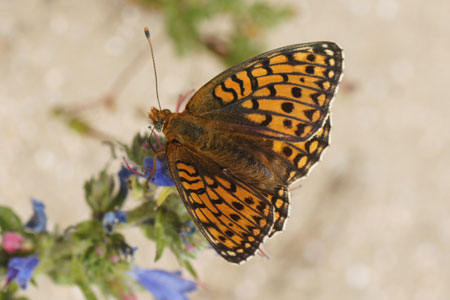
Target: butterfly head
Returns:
[[159, 117]]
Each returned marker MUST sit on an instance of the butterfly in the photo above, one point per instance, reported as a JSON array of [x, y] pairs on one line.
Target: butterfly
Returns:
[[245, 136]]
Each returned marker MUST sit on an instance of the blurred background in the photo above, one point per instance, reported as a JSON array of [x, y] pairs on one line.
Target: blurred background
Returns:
[[372, 220]]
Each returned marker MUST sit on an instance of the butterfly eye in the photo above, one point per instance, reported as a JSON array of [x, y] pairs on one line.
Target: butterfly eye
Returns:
[[159, 118], [158, 124]]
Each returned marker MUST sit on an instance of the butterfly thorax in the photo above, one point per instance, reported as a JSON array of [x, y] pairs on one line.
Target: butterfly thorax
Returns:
[[215, 142]]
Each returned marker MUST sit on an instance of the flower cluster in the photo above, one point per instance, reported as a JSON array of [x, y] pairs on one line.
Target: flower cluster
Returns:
[[20, 268], [94, 251]]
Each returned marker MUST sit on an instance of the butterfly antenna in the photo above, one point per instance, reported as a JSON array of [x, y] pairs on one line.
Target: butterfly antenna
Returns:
[[147, 35]]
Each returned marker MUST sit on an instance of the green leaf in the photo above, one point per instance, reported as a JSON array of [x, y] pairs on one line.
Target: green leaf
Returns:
[[166, 192], [98, 193], [160, 246], [77, 272], [86, 290], [159, 235], [89, 229], [9, 221], [7, 293], [187, 264], [142, 213]]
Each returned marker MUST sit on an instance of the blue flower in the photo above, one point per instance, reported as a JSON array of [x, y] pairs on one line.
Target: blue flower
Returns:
[[121, 217], [21, 269], [111, 219], [127, 251], [38, 221], [124, 174], [161, 176], [162, 284]]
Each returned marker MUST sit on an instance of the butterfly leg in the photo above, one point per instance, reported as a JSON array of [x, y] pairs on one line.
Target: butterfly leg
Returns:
[[157, 153]]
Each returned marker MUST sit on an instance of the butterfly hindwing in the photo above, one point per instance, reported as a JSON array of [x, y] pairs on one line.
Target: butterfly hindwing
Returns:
[[233, 216], [301, 158], [280, 201], [283, 94]]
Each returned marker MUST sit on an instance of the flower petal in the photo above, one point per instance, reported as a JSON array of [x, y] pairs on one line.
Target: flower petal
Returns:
[[21, 269], [162, 284], [161, 176], [38, 222]]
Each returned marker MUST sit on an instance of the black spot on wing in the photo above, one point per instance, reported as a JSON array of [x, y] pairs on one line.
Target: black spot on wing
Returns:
[[309, 113], [296, 92], [287, 107], [287, 123], [309, 70], [237, 205], [300, 129]]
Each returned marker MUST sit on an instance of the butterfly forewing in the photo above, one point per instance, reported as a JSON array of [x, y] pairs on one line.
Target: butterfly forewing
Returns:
[[283, 94], [233, 216]]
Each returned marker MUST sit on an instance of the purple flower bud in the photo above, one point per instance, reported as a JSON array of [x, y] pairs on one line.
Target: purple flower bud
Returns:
[[12, 242]]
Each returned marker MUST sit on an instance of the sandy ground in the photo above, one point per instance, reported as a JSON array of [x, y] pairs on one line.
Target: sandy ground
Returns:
[[372, 221]]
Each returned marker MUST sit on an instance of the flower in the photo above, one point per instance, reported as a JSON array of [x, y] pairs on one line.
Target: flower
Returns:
[[162, 284], [38, 221], [12, 241], [111, 219], [161, 176], [124, 174], [127, 251], [21, 269], [121, 217]]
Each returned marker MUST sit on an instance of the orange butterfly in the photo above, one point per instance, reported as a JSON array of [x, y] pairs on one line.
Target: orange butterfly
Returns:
[[246, 136]]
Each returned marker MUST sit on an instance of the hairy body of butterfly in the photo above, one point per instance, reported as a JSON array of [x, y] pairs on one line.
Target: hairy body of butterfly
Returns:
[[245, 137]]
